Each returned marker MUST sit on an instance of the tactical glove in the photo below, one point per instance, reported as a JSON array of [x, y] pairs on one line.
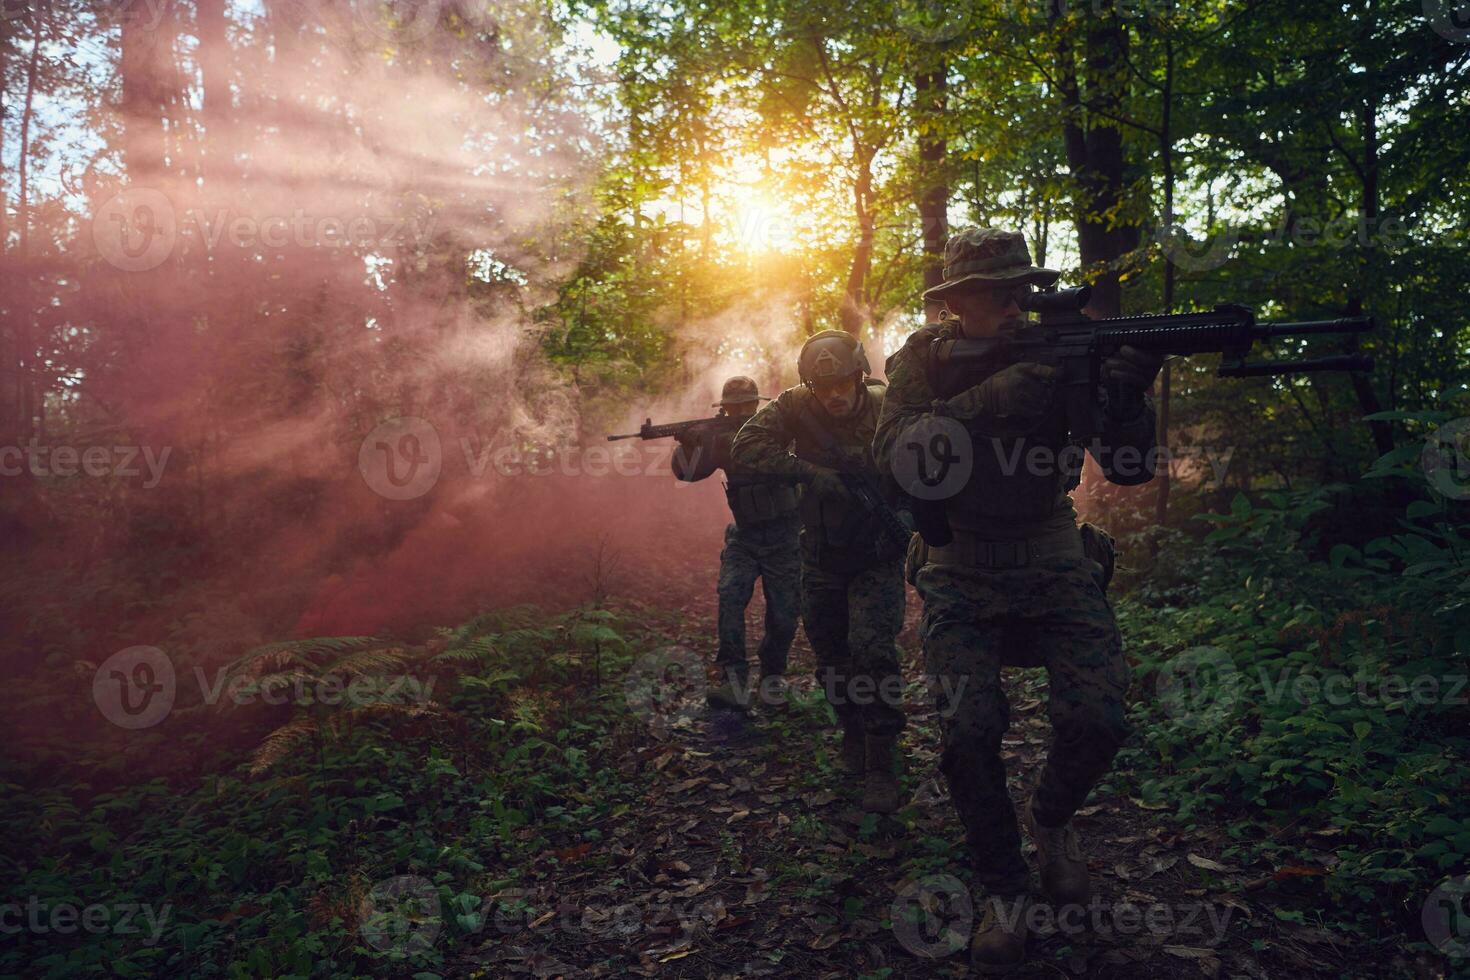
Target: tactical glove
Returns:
[[824, 481], [1131, 367], [1011, 401]]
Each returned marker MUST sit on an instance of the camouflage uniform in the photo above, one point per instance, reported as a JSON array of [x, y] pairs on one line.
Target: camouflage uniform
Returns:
[[761, 542], [852, 586], [1015, 588]]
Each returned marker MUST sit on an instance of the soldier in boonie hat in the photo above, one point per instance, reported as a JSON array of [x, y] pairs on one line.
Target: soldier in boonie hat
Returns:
[[740, 390], [979, 258]]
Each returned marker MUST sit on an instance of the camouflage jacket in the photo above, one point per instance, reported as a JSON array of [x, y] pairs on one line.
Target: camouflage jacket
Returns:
[[774, 442], [1018, 486]]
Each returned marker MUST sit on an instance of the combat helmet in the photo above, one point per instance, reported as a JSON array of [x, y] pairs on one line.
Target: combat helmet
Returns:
[[831, 354]]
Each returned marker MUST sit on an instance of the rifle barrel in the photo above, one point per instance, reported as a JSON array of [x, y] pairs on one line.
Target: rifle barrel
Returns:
[[1305, 328]]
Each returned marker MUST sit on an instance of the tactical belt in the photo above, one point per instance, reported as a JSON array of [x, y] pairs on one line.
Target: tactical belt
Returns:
[[973, 551]]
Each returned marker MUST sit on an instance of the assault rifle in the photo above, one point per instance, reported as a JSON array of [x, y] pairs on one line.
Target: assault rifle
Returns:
[[1074, 344], [650, 431]]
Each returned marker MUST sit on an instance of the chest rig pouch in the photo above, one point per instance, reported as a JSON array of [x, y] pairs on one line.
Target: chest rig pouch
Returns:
[[757, 502]]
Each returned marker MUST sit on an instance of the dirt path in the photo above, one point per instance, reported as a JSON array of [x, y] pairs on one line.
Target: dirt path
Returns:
[[746, 856]]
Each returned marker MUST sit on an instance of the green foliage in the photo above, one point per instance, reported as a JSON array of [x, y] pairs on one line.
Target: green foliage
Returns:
[[273, 873], [1322, 695]]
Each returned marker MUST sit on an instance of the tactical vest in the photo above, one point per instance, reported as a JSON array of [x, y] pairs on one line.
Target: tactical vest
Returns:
[[1007, 494], [754, 502], [837, 532]]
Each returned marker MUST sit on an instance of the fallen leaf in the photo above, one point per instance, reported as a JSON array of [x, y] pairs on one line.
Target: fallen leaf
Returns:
[[1189, 952], [1207, 864], [1159, 864], [825, 941], [576, 853]]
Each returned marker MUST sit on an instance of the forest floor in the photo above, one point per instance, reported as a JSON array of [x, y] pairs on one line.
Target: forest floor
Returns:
[[745, 854]]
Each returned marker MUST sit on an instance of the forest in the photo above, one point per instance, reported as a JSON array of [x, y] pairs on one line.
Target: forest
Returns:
[[342, 640]]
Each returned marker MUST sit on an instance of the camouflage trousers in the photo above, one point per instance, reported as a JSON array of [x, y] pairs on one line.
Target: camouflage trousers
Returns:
[[770, 553], [852, 620], [1052, 613]]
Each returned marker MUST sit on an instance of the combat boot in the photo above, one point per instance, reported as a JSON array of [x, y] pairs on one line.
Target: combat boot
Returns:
[[854, 748], [880, 785], [1063, 867], [730, 695], [999, 944], [772, 689]]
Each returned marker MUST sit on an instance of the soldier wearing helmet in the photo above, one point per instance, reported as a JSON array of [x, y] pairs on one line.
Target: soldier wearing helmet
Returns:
[[852, 596], [760, 543], [1020, 584]]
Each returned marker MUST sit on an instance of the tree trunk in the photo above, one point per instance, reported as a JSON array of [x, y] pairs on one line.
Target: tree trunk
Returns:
[[854, 313], [22, 508], [1166, 152], [1362, 386], [1094, 145], [929, 101]]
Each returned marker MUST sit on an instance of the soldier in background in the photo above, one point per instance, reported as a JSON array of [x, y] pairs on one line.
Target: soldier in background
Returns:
[[1019, 577], [852, 578], [761, 542]]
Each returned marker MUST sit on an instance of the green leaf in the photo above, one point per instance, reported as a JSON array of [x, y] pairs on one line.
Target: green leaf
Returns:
[[1422, 508]]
